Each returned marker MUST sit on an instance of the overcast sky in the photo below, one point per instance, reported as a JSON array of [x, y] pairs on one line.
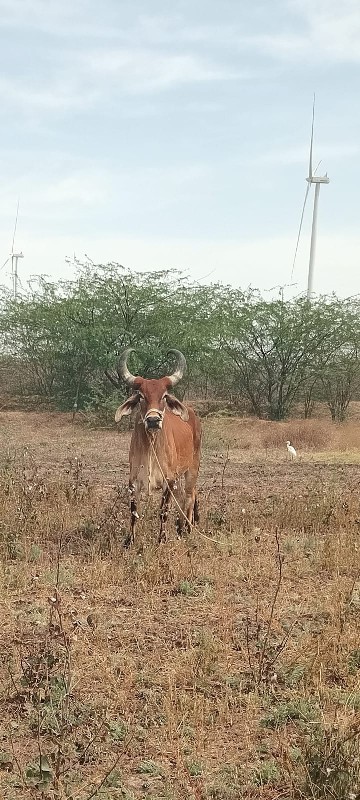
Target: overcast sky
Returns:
[[175, 134]]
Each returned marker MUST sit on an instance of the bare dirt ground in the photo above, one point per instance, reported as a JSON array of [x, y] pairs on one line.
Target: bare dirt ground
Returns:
[[223, 666]]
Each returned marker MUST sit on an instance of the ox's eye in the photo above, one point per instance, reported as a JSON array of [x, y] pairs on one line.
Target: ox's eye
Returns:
[[141, 396]]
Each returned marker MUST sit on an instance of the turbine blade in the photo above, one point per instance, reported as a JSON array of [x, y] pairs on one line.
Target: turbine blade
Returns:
[[300, 228], [5, 262], [15, 226], [311, 140]]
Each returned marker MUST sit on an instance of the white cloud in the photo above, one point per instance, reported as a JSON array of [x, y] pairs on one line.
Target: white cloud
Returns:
[[144, 70], [330, 32], [311, 29], [74, 80], [54, 17], [58, 95], [300, 155], [67, 189], [56, 194], [334, 28], [89, 189]]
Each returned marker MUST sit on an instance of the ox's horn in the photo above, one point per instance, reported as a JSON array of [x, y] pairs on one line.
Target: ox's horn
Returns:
[[122, 369], [180, 367]]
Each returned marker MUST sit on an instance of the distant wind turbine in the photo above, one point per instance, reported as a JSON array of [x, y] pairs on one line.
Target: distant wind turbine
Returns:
[[317, 180], [14, 259]]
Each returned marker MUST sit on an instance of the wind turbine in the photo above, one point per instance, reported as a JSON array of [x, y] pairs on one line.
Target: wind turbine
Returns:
[[317, 180], [14, 259]]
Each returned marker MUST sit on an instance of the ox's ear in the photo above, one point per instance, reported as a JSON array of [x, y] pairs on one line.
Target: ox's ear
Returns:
[[176, 407], [127, 407]]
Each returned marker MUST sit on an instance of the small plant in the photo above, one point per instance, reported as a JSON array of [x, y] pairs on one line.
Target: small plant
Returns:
[[149, 768], [6, 761], [186, 588], [194, 768], [233, 682], [40, 775], [331, 764], [114, 779], [354, 662], [13, 547], [228, 785], [293, 675], [262, 649], [36, 553], [194, 588], [286, 712], [266, 773], [216, 518], [117, 730]]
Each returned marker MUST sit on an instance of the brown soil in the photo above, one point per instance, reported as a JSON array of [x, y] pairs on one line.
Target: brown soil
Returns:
[[219, 666]]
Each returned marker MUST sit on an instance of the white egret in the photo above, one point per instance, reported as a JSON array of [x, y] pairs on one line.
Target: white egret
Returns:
[[291, 450]]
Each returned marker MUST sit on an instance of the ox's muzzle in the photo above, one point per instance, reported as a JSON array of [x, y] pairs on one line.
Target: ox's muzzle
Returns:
[[153, 419]]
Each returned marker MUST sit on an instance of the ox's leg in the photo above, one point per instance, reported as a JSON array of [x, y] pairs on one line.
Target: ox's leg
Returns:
[[196, 515], [191, 509], [164, 508], [134, 515], [180, 519], [180, 516], [179, 525]]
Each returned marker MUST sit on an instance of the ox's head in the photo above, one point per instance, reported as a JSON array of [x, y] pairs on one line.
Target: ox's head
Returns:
[[152, 397]]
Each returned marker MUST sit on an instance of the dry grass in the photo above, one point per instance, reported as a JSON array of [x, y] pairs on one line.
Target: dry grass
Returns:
[[209, 670], [308, 436]]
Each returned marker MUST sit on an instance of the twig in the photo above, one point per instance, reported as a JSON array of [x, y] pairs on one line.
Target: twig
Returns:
[[20, 771], [248, 647], [113, 766], [110, 512], [341, 741], [58, 560], [55, 608], [12, 679], [104, 520], [281, 646], [39, 741], [279, 559], [226, 462], [85, 750]]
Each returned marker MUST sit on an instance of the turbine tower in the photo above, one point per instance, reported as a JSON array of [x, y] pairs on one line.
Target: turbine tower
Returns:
[[317, 180], [14, 260], [14, 272]]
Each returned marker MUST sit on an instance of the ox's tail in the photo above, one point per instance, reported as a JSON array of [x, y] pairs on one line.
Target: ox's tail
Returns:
[[196, 515]]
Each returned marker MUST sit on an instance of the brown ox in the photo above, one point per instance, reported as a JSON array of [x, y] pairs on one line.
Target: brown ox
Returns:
[[165, 445]]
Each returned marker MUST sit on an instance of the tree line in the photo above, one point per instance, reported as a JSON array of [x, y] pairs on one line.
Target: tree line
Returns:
[[263, 356]]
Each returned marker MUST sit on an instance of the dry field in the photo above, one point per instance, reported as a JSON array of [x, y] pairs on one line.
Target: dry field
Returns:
[[221, 667]]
